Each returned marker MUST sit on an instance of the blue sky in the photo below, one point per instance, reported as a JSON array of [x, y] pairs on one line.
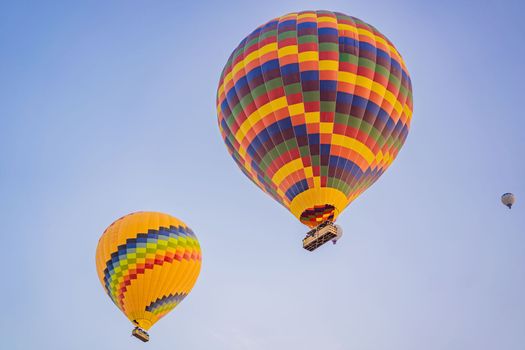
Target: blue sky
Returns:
[[110, 108]]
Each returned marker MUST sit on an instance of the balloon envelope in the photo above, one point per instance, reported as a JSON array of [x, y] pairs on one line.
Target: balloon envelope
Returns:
[[508, 199], [147, 263], [314, 106]]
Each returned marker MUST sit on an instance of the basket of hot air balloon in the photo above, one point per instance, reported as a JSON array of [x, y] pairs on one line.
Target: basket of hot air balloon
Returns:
[[314, 106], [147, 263]]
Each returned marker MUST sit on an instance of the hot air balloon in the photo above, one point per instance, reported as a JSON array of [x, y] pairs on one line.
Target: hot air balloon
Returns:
[[147, 263], [314, 106], [508, 199]]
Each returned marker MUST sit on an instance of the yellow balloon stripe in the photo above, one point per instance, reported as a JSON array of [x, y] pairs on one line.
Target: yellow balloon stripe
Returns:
[[369, 84], [354, 145], [258, 115], [339, 140], [286, 170]]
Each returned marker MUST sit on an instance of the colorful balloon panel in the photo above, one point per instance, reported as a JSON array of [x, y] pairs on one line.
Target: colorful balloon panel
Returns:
[[314, 106], [147, 263]]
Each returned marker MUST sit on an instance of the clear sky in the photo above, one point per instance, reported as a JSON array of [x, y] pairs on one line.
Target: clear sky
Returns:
[[109, 107]]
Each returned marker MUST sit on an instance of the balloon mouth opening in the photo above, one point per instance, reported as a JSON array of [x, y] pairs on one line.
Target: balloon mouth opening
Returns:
[[143, 324], [315, 216]]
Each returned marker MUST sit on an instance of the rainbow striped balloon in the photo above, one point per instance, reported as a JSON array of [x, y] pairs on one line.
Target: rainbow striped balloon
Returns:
[[314, 106], [147, 263]]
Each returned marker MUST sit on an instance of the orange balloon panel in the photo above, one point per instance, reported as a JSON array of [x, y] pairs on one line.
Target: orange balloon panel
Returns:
[[147, 263]]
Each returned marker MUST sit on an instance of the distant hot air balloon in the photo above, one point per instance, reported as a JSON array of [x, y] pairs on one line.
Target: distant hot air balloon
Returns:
[[147, 263], [314, 106], [508, 199]]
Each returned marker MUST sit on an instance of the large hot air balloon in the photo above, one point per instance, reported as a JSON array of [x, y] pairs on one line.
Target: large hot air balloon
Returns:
[[147, 263], [314, 106]]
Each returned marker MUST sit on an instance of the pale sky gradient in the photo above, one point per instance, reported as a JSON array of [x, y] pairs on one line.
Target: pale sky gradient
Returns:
[[109, 107]]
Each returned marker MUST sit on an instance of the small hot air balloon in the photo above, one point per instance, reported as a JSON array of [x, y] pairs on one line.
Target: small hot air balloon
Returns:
[[147, 263], [314, 106], [508, 199]]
